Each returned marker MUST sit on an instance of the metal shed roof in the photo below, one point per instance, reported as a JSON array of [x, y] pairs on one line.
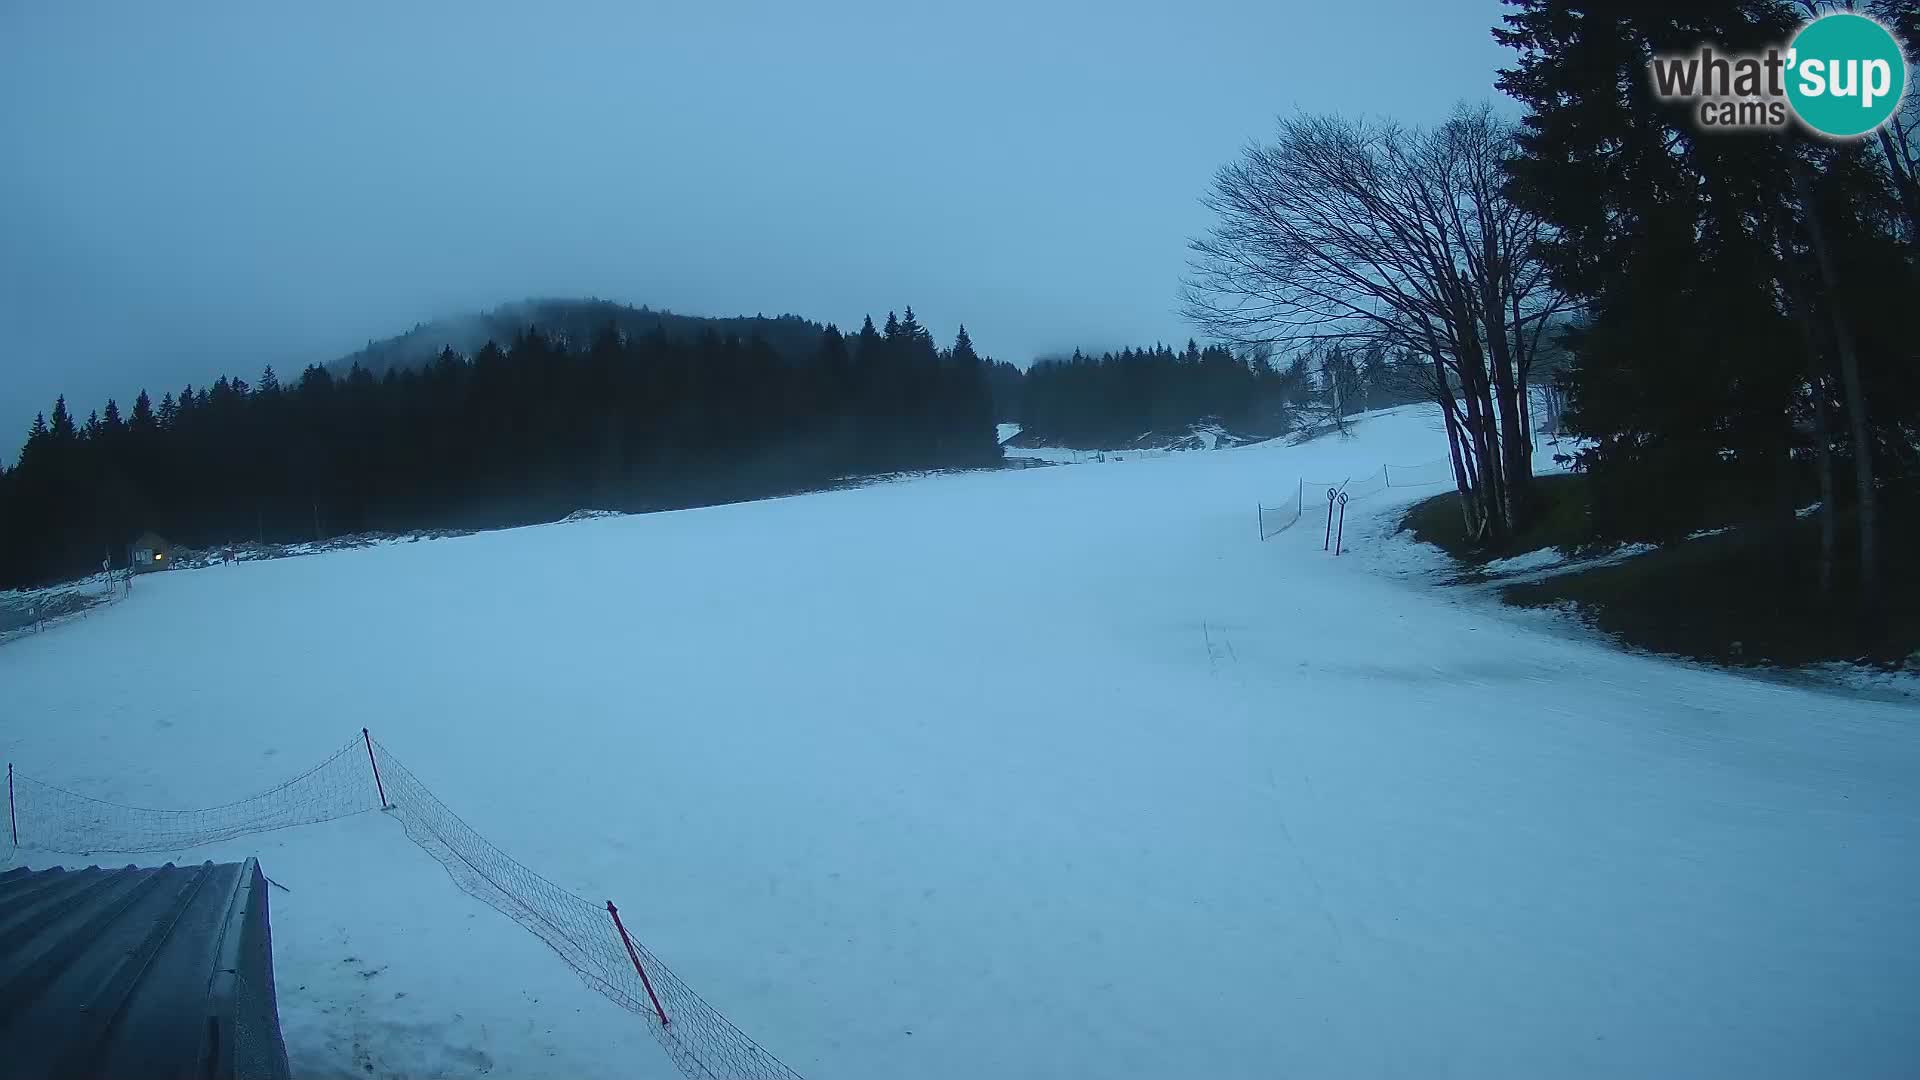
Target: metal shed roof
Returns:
[[158, 971]]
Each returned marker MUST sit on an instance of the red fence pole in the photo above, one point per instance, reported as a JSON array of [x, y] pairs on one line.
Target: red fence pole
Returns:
[[635, 957], [11, 819], [377, 785]]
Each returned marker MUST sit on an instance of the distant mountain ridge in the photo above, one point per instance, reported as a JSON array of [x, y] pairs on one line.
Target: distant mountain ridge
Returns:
[[575, 321]]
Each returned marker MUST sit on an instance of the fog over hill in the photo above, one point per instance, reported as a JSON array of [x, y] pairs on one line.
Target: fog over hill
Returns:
[[575, 321]]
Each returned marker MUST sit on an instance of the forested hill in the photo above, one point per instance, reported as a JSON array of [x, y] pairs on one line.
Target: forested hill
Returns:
[[522, 430], [576, 322]]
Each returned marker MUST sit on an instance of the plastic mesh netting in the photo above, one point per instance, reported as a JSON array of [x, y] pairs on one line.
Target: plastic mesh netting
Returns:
[[1371, 484], [61, 820], [1431, 472], [702, 1043], [1275, 520]]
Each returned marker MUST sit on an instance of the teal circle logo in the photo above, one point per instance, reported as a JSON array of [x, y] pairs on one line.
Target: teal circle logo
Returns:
[[1846, 75]]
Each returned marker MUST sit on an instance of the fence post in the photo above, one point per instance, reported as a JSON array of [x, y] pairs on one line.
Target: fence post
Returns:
[[1341, 537], [377, 785], [635, 957], [1260, 516], [12, 821], [1384, 471]]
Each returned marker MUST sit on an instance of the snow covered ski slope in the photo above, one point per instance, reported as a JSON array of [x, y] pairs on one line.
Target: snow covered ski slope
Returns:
[[1038, 773]]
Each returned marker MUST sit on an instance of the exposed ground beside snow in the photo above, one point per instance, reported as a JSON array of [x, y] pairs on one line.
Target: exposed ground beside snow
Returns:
[[27, 611], [1038, 773], [1206, 435]]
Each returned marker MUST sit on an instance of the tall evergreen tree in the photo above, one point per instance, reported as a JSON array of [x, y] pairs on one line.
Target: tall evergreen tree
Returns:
[[61, 430], [141, 419], [1738, 312]]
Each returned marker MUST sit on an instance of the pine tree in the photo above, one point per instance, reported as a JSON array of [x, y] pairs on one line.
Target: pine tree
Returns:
[[1666, 235], [141, 419], [61, 430], [974, 432], [963, 354], [38, 437], [911, 329]]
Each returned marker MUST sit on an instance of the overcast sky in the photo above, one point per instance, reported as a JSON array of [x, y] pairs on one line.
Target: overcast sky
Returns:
[[193, 187]]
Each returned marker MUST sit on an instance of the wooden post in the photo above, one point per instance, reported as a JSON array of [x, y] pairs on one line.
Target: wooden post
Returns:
[[377, 785], [634, 956]]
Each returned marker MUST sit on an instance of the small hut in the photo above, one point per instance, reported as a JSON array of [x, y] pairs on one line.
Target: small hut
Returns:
[[149, 552]]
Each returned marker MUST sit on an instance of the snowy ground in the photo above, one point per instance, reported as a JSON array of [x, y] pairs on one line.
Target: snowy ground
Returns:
[[1039, 773]]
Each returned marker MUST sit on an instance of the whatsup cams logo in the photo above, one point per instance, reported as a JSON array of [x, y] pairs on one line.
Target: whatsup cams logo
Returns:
[[1843, 76]]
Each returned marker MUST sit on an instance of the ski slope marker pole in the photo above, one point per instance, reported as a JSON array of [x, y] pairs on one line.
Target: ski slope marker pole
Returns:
[[12, 821], [377, 785], [635, 957], [1327, 541], [1341, 536]]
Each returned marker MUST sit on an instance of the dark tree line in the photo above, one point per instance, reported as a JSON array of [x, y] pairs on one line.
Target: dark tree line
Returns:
[[1747, 298], [1005, 381], [1113, 399], [509, 435]]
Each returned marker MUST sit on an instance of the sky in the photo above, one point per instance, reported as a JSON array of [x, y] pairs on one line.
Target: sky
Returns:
[[202, 187]]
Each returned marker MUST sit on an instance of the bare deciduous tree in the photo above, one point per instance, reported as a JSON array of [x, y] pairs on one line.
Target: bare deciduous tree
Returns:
[[1344, 231]]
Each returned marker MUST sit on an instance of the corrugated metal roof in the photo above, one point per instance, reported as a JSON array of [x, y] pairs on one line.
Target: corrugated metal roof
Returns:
[[158, 971]]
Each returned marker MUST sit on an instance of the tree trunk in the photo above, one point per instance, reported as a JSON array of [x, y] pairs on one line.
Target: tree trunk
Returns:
[[1823, 461], [1485, 440], [1905, 183], [1526, 418], [1516, 450], [1822, 427], [1487, 455], [1463, 480], [1850, 385]]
